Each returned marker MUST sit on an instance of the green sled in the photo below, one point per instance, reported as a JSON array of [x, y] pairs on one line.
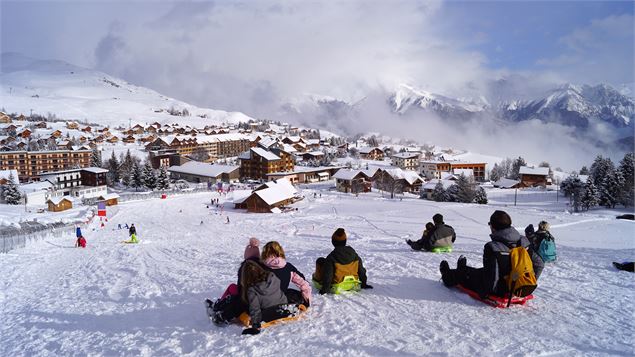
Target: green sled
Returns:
[[447, 249], [350, 283]]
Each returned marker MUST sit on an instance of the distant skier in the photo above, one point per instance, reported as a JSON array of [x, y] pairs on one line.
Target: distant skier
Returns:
[[132, 230], [81, 242], [78, 232]]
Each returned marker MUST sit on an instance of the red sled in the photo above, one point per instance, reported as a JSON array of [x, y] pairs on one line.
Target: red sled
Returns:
[[495, 301]]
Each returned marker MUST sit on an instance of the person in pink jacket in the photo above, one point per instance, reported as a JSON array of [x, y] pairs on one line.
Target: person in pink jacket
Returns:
[[273, 258]]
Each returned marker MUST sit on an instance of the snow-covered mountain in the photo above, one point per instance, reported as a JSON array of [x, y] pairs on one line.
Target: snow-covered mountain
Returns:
[[406, 98], [76, 93]]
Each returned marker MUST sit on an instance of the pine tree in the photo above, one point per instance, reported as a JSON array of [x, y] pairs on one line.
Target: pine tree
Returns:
[[163, 182], [113, 169], [149, 177], [95, 158], [126, 169], [12, 195], [480, 196], [628, 188], [590, 196], [600, 168], [515, 172], [496, 173], [465, 192], [439, 194], [137, 177], [452, 193], [607, 191], [584, 170]]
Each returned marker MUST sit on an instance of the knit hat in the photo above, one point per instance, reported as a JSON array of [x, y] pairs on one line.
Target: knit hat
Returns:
[[437, 218], [252, 250], [543, 226], [500, 220], [338, 239]]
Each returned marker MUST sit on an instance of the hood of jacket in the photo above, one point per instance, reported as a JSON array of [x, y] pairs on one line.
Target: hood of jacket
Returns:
[[275, 262], [272, 283], [508, 236]]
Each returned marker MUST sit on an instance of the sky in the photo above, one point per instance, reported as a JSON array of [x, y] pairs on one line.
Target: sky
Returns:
[[264, 57]]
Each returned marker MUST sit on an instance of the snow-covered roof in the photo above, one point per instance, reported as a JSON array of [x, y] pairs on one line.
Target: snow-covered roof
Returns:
[[506, 183], [57, 200], [527, 170], [109, 196], [448, 176], [203, 169], [268, 141], [267, 155], [283, 185], [406, 155], [35, 186], [4, 174], [239, 196], [408, 175], [347, 174], [368, 149], [314, 153], [432, 183], [95, 170]]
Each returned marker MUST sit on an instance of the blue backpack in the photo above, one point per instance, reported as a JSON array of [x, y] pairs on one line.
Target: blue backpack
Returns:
[[547, 249]]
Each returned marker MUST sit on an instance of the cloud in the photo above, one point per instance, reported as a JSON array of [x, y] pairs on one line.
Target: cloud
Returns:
[[602, 51]]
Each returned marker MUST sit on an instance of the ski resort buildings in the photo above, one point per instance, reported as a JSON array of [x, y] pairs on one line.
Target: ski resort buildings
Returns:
[[406, 160], [258, 162], [215, 147], [534, 176], [198, 172], [31, 164], [434, 169]]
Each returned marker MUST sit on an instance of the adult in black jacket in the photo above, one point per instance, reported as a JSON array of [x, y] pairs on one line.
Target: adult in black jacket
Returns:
[[342, 257], [490, 278], [132, 230]]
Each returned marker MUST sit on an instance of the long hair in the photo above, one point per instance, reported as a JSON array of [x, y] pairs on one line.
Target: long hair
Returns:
[[252, 274], [272, 249]]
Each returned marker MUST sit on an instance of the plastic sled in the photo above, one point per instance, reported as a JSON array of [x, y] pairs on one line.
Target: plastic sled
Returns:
[[447, 249], [246, 321], [350, 283], [495, 301], [133, 240]]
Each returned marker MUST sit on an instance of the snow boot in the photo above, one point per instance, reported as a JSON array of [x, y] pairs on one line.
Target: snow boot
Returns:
[[461, 264], [218, 319], [221, 304], [447, 275]]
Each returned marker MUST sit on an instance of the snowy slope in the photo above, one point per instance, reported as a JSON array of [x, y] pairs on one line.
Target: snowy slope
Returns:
[[146, 300], [75, 93]]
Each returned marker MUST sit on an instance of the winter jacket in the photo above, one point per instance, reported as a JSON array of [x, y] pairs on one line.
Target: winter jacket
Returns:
[[264, 295], [240, 269], [132, 230], [81, 242], [442, 236], [538, 237], [78, 232], [286, 272], [495, 268], [340, 262]]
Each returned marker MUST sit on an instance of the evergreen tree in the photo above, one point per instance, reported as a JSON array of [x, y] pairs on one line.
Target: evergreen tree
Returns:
[[439, 194], [126, 169], [590, 196], [95, 158], [573, 188], [607, 191], [452, 193], [496, 173], [518, 163], [149, 177], [137, 176], [113, 170], [480, 196], [465, 192], [584, 170], [627, 169], [600, 168], [163, 182], [12, 195]]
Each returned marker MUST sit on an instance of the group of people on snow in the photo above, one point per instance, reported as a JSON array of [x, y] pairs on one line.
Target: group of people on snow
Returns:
[[264, 288]]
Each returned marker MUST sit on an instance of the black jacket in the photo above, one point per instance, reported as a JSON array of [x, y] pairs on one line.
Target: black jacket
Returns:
[[341, 255], [442, 236]]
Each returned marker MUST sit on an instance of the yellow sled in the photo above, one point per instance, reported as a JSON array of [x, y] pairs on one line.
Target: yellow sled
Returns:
[[349, 283], [246, 320]]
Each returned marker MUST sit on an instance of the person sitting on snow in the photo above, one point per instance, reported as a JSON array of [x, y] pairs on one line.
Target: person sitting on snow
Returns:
[[489, 280], [442, 235], [273, 258], [419, 244], [80, 242], [341, 262]]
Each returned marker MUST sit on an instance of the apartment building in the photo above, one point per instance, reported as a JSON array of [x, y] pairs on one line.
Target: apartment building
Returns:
[[31, 164]]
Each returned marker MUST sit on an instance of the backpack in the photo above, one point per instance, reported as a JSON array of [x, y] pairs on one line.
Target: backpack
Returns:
[[521, 280], [547, 249]]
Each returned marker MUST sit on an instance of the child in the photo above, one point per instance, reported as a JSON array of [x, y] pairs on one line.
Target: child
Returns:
[[419, 244], [230, 305], [260, 290], [81, 242], [273, 258], [339, 263]]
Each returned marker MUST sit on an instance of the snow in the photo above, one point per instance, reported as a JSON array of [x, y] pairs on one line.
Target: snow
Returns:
[[267, 155], [347, 174], [6, 174], [146, 299], [203, 169], [96, 170], [526, 170]]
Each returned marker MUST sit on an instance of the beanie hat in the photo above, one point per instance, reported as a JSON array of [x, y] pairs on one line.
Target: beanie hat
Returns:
[[543, 226], [500, 220], [252, 250], [338, 239], [437, 219], [530, 230]]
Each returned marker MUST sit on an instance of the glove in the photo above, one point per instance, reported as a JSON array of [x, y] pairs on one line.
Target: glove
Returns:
[[251, 331], [366, 286]]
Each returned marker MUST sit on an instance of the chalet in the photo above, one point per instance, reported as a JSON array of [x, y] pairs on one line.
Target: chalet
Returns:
[[198, 172], [371, 153], [4, 118], [64, 145], [21, 145], [87, 129], [305, 174], [257, 163], [113, 139], [299, 147], [56, 134], [151, 129], [406, 160], [72, 125], [110, 199], [138, 129], [534, 176], [99, 139], [313, 155], [269, 197], [478, 168], [41, 125], [353, 181], [129, 139], [433, 169], [398, 180], [293, 140], [148, 139], [25, 133], [59, 204]]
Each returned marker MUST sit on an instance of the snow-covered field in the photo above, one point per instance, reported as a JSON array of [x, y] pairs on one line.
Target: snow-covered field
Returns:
[[146, 300]]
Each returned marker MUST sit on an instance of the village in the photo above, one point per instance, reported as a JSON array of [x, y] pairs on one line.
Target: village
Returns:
[[56, 165]]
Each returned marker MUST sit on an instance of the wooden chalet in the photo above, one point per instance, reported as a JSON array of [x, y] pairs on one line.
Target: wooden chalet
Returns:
[[59, 204]]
